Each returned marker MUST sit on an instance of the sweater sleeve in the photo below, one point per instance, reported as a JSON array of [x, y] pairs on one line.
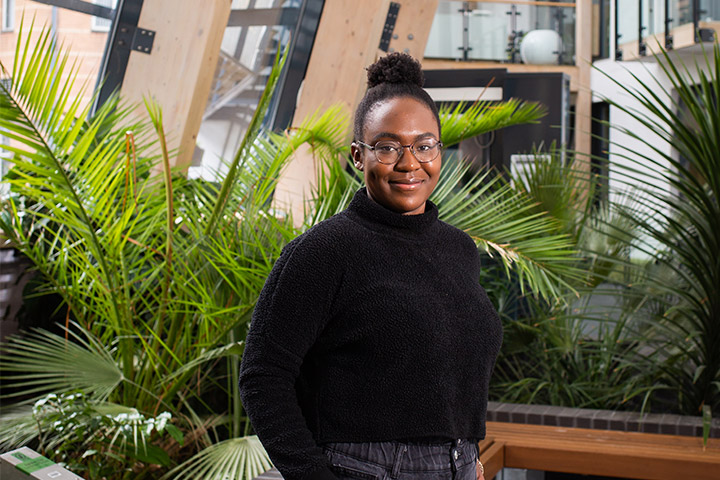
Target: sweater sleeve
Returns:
[[292, 310]]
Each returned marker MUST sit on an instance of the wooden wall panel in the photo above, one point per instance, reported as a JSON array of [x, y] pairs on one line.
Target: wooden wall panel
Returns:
[[346, 42], [179, 71], [583, 60], [412, 27]]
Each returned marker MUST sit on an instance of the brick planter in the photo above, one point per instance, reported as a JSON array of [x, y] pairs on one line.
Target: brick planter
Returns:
[[600, 419]]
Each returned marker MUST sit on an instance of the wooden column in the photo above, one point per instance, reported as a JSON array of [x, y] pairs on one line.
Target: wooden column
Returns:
[[178, 72], [583, 60], [346, 42]]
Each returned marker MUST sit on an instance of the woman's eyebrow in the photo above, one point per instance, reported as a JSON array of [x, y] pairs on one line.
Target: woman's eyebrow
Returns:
[[397, 137]]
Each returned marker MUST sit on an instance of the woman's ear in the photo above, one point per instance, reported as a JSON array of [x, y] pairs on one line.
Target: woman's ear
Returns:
[[357, 156]]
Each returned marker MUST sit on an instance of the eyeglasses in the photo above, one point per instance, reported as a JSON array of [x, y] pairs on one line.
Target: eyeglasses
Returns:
[[387, 152]]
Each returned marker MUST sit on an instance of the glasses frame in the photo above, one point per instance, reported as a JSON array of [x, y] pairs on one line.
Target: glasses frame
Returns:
[[410, 147]]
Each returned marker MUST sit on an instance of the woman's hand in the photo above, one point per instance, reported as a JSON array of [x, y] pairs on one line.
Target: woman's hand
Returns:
[[480, 471]]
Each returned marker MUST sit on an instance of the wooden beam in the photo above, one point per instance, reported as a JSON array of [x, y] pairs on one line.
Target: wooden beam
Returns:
[[178, 72], [346, 42], [606, 453], [583, 101], [492, 456]]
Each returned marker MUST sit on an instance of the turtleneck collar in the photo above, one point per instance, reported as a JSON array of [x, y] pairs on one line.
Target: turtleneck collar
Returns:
[[369, 210]]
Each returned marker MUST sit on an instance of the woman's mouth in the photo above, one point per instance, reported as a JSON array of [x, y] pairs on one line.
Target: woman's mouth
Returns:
[[406, 184]]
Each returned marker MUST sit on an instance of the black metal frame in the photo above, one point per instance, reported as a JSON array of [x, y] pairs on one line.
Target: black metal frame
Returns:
[[117, 49], [618, 50], [282, 108], [642, 46], [668, 25]]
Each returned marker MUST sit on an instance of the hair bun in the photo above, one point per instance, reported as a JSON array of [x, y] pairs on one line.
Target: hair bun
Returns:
[[395, 68]]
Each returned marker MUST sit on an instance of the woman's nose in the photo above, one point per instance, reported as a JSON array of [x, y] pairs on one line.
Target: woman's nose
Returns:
[[407, 161]]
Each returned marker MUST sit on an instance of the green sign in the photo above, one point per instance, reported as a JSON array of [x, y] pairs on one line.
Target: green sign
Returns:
[[33, 464]]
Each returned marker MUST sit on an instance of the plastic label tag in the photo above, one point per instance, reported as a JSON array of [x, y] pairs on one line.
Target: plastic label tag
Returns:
[[34, 464]]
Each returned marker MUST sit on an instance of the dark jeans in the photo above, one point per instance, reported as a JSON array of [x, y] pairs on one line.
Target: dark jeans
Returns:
[[403, 461]]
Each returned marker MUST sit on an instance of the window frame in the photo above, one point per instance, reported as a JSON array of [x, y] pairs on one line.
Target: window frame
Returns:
[[102, 25], [8, 16]]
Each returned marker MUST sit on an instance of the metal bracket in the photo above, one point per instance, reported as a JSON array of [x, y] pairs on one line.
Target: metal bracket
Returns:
[[618, 54], [389, 26], [705, 35], [138, 39]]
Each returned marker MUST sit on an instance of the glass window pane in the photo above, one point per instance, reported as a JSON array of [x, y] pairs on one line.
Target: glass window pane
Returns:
[[495, 31], [489, 28], [681, 12], [445, 39], [102, 24], [246, 57], [710, 11]]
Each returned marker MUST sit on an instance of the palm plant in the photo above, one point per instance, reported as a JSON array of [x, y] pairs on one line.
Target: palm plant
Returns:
[[678, 228], [574, 352], [159, 278]]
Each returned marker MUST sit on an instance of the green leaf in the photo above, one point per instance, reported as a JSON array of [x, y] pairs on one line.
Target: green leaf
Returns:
[[239, 458], [175, 433], [707, 423]]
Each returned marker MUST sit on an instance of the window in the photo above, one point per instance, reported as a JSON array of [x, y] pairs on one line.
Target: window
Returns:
[[102, 24], [8, 15]]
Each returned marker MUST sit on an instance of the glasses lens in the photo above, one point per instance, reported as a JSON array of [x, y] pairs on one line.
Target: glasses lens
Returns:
[[387, 152], [426, 149]]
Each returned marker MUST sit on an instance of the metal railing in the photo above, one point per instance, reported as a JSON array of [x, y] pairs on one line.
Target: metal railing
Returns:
[[638, 20], [504, 31]]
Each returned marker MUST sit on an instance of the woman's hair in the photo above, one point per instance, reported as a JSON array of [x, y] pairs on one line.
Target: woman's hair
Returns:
[[392, 76]]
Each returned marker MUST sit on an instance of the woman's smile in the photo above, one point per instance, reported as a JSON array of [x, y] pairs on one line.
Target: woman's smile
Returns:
[[406, 184]]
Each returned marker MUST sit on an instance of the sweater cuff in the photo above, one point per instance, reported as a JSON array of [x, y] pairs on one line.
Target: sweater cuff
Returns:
[[323, 474]]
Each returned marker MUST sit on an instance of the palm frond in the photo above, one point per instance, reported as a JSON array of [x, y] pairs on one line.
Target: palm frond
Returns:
[[18, 427], [44, 362], [240, 458], [462, 121], [503, 222]]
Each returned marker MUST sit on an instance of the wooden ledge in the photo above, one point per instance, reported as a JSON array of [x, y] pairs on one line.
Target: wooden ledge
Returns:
[[598, 452]]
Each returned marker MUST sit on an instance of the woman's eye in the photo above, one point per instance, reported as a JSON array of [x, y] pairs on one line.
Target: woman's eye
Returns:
[[385, 148], [424, 147]]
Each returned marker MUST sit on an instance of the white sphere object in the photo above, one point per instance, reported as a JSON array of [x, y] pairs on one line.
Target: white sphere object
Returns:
[[541, 47]]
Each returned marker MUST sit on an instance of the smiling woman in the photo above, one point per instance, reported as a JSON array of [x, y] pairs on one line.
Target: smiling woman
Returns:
[[371, 346]]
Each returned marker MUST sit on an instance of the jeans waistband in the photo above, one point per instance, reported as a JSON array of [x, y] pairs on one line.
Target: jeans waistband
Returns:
[[409, 456]]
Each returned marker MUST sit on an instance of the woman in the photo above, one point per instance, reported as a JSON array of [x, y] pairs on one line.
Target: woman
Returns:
[[372, 344]]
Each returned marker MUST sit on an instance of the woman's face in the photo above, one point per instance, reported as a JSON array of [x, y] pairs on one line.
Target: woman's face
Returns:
[[405, 186]]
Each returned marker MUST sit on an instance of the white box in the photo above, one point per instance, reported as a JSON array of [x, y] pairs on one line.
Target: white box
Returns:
[[24, 464]]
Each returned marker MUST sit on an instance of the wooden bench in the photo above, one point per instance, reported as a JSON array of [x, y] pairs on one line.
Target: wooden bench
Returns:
[[598, 452]]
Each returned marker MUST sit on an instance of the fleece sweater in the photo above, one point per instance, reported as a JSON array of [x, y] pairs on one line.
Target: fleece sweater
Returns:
[[372, 326]]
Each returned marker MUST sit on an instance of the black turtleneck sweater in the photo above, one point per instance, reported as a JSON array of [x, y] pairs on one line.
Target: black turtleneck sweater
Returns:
[[371, 327]]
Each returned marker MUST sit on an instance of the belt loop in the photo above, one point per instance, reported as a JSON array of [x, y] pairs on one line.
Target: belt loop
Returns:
[[400, 450], [454, 455]]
